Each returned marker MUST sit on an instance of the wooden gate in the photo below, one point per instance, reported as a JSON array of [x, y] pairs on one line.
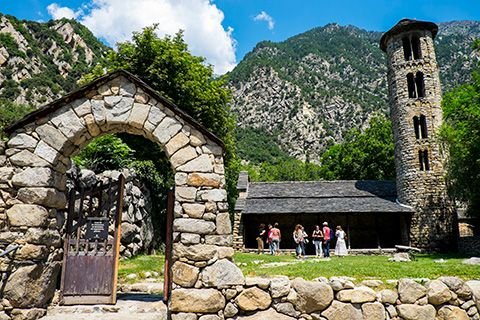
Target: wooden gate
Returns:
[[167, 284], [90, 262]]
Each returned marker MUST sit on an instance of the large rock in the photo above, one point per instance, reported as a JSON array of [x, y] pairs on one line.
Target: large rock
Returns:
[[387, 296], [129, 231], [184, 274], [38, 177], [416, 312], [363, 294], [451, 313], [197, 300], [224, 226], [222, 274], [410, 291], [31, 252], [342, 311], [27, 215], [202, 163], [46, 237], [26, 158], [312, 296], [253, 299], [269, 314], [214, 195], [438, 292], [373, 311], [197, 226], [204, 180], [198, 252], [279, 287], [49, 197], [32, 286], [194, 210]]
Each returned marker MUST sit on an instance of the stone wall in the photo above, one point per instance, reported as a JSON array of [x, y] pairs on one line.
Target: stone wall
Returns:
[[138, 232], [330, 299], [432, 225]]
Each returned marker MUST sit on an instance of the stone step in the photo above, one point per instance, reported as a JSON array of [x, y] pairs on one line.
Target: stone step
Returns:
[[129, 306]]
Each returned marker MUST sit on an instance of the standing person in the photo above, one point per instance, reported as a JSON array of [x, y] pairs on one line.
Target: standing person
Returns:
[[276, 236], [300, 237], [340, 247], [260, 238], [269, 239], [326, 240], [317, 238]]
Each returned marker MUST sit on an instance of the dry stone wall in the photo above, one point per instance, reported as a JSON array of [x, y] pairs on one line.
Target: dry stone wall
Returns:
[[33, 187], [432, 225], [337, 298]]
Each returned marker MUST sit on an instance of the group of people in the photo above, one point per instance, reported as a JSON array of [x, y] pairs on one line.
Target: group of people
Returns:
[[321, 238], [273, 236]]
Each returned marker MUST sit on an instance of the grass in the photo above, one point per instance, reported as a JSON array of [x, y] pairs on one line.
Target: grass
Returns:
[[139, 265], [359, 267]]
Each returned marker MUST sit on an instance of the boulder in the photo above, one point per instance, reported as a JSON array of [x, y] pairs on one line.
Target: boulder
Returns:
[[230, 310], [416, 312], [253, 299], [438, 292], [410, 291], [202, 163], [197, 300], [472, 261], [279, 287], [32, 286], [27, 215], [373, 311], [288, 309], [197, 252], [223, 223], [222, 274], [204, 180], [453, 283], [184, 274], [46, 237], [129, 231], [197, 226], [312, 296], [49, 197], [341, 311], [194, 210], [358, 295], [451, 313], [31, 252], [262, 283], [387, 296]]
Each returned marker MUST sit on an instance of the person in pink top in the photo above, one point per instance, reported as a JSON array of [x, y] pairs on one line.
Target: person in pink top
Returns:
[[326, 240], [276, 236]]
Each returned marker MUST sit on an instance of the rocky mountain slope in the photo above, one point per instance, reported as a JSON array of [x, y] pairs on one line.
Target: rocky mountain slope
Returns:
[[41, 61], [310, 89]]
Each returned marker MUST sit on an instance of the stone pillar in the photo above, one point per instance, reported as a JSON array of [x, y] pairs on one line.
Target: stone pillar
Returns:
[[425, 188]]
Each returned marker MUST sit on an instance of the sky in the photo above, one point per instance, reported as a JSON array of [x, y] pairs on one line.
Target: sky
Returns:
[[223, 31]]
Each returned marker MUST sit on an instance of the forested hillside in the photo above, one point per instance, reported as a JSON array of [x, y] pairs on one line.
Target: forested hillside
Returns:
[[309, 90], [41, 61]]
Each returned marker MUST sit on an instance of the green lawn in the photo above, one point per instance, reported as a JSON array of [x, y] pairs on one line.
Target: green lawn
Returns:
[[359, 267]]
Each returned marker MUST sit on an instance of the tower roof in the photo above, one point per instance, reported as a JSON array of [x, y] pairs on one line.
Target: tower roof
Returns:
[[405, 25]]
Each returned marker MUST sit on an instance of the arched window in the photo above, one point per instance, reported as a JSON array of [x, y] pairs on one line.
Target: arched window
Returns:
[[420, 83], [407, 49], [423, 127], [416, 85], [411, 47], [416, 48], [420, 126], [416, 126], [423, 159], [411, 86]]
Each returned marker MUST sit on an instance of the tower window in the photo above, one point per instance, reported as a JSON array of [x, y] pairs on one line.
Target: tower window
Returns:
[[416, 85], [420, 126], [423, 160], [411, 48]]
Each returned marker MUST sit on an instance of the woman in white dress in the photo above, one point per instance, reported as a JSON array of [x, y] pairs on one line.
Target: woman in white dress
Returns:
[[340, 247]]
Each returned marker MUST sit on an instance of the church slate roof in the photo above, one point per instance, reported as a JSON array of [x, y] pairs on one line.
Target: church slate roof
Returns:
[[341, 196]]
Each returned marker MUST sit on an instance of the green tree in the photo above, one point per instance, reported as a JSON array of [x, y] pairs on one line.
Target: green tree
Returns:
[[11, 112], [362, 155], [461, 132], [168, 67]]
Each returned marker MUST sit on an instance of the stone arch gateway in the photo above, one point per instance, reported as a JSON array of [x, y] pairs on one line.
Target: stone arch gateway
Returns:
[[32, 188]]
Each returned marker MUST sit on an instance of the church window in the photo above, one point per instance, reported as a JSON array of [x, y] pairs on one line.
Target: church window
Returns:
[[423, 159], [416, 85], [420, 126], [411, 48]]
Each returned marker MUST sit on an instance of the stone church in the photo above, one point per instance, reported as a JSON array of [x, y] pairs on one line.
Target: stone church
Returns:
[[415, 209]]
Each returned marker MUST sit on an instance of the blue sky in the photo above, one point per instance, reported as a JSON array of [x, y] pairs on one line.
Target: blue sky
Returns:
[[225, 30]]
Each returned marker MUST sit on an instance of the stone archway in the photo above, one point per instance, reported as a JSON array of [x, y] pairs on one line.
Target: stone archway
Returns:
[[32, 188]]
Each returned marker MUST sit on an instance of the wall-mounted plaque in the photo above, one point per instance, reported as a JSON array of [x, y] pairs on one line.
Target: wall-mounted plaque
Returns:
[[97, 228]]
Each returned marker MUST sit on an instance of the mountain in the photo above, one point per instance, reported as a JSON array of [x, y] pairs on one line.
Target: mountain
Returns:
[[42, 61], [308, 90]]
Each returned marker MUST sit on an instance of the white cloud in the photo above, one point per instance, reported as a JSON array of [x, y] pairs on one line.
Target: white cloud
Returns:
[[263, 16], [58, 12], [115, 20]]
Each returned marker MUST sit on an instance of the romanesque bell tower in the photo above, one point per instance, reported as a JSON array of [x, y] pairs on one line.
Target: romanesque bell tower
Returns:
[[415, 107]]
